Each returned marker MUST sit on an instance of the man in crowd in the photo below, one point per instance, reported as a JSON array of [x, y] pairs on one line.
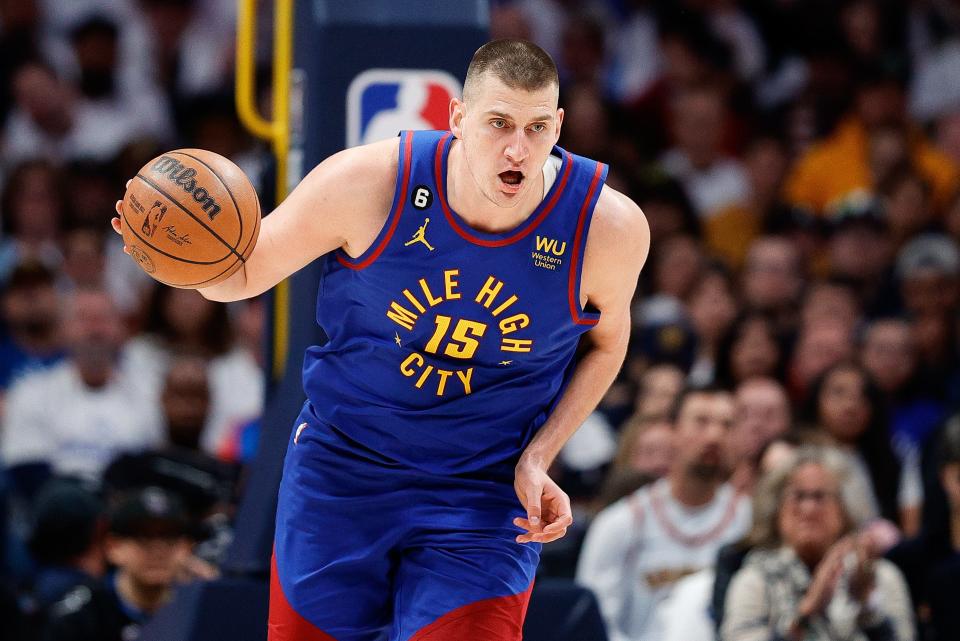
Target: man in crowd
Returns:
[[639, 547]]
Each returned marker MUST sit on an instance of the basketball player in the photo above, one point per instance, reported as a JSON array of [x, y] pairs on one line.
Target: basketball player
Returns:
[[415, 493]]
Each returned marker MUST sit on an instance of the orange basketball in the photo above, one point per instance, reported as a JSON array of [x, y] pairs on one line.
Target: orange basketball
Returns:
[[190, 218]]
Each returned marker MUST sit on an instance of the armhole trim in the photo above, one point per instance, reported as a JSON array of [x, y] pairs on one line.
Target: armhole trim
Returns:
[[396, 210], [577, 313]]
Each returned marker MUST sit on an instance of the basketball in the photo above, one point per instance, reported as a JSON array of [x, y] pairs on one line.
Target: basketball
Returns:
[[190, 218]]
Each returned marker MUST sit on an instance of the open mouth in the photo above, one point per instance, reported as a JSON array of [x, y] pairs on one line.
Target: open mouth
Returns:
[[511, 179]]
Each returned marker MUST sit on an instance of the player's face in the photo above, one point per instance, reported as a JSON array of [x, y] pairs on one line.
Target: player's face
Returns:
[[507, 135]]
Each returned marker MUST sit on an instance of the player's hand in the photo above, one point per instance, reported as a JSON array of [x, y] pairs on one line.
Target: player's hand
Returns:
[[117, 221], [548, 507]]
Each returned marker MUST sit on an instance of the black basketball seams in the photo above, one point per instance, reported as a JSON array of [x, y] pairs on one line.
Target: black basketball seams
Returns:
[[156, 187], [236, 208], [133, 231]]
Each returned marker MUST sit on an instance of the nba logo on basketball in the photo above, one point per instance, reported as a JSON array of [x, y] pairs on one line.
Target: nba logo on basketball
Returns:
[[383, 102]]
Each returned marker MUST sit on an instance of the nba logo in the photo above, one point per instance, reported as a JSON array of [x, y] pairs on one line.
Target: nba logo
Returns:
[[383, 102]]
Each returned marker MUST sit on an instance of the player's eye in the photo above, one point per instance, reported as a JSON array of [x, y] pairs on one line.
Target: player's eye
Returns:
[[499, 123], [538, 127]]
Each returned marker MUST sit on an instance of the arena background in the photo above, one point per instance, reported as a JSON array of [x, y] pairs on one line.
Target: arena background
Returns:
[[798, 161]]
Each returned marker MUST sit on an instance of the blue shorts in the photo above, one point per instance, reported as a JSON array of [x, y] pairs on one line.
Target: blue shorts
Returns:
[[367, 550]]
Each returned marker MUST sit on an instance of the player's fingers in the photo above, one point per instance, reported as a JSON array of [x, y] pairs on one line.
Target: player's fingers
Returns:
[[127, 185], [115, 223], [561, 524], [522, 523]]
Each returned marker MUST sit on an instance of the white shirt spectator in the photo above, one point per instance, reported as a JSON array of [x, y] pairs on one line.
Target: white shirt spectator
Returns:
[[53, 417], [638, 548], [723, 184], [236, 386]]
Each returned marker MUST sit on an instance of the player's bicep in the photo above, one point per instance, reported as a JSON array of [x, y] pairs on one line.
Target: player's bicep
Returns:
[[338, 201], [617, 249]]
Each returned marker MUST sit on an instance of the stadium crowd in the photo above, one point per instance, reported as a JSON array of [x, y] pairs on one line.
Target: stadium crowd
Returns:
[[780, 456]]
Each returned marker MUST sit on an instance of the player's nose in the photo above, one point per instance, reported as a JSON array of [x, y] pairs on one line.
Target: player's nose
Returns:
[[517, 148]]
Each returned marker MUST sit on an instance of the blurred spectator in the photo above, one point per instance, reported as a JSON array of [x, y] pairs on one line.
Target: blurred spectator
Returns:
[[838, 166], [928, 268], [889, 355], [31, 317], [148, 544], [53, 121], [810, 576], [819, 347], [762, 414], [666, 207], [660, 385], [31, 207], [931, 562], [846, 404], [677, 266], [183, 321], [638, 548], [204, 484], [752, 347], [773, 279], [66, 542], [859, 252], [713, 181], [644, 454], [712, 308], [730, 232], [905, 198], [830, 301], [73, 418], [20, 22]]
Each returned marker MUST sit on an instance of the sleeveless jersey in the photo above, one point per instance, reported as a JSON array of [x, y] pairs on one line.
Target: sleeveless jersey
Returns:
[[448, 346]]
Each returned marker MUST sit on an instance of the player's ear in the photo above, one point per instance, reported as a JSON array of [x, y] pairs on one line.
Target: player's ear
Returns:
[[556, 135], [456, 117]]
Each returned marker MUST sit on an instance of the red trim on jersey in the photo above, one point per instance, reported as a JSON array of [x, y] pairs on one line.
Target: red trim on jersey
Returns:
[[572, 286], [394, 215], [690, 541], [496, 619], [526, 227], [284, 623]]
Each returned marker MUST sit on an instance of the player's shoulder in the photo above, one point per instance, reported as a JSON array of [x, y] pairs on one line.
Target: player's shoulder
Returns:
[[618, 222]]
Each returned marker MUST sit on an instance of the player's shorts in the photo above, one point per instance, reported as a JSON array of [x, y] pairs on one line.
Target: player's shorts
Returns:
[[367, 550]]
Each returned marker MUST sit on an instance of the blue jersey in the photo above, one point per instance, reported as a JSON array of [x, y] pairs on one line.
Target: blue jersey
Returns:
[[448, 347]]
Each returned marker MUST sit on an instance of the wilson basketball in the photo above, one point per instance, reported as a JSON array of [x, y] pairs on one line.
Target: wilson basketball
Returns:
[[190, 218]]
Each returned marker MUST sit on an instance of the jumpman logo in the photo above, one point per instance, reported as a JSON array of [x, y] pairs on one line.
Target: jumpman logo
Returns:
[[420, 236]]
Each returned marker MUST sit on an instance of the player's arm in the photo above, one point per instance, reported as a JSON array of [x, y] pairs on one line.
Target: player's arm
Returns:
[[617, 247], [341, 203]]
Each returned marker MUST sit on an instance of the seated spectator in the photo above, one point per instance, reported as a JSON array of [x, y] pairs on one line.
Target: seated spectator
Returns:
[[66, 543], [32, 208], [643, 455], [762, 414], [712, 307], [183, 321], [29, 311], [637, 548], [810, 577], [931, 561], [659, 387], [751, 348], [75, 417], [829, 172], [773, 278], [204, 484], [148, 544]]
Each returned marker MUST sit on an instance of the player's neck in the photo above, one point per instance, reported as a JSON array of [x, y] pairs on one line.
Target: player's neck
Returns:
[[468, 200]]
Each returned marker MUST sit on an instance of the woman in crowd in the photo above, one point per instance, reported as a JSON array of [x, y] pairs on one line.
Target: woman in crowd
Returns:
[[846, 405], [810, 578]]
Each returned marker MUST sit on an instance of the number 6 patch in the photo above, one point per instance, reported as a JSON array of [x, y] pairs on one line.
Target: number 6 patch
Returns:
[[422, 197]]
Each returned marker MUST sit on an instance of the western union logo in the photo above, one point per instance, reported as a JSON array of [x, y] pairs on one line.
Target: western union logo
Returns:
[[549, 245], [548, 253]]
